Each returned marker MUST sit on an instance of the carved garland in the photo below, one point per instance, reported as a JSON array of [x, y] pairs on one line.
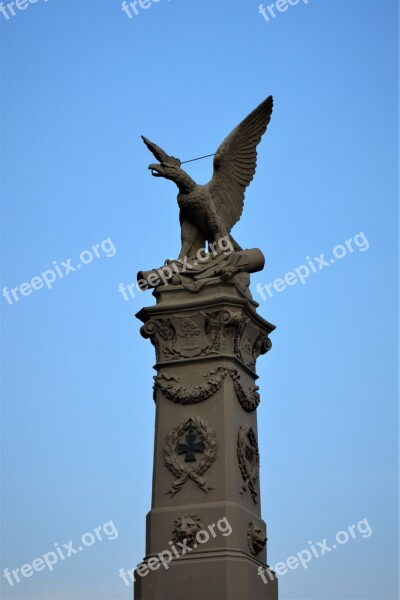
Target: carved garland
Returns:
[[190, 395], [194, 470], [250, 401], [198, 393]]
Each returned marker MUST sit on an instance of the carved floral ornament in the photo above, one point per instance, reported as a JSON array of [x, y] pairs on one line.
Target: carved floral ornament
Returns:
[[181, 394], [205, 334], [189, 450]]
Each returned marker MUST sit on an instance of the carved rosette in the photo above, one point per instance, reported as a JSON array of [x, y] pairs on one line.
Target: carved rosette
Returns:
[[249, 460], [176, 392], [189, 450], [256, 538], [204, 333]]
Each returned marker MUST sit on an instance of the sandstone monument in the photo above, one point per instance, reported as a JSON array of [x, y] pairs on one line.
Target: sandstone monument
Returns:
[[205, 538]]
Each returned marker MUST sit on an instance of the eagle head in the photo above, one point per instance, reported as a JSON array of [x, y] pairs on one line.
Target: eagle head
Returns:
[[168, 166]]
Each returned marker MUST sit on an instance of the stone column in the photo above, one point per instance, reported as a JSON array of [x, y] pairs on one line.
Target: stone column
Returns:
[[206, 458]]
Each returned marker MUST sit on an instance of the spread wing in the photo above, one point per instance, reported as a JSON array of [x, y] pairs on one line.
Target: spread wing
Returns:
[[235, 163]]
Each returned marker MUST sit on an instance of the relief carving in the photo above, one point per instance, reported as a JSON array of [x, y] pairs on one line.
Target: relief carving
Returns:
[[249, 460], [186, 528], [256, 538], [206, 333], [189, 450], [262, 344], [181, 394]]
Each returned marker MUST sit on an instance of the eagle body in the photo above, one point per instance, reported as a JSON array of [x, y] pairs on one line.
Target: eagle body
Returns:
[[208, 212], [195, 206], [199, 219]]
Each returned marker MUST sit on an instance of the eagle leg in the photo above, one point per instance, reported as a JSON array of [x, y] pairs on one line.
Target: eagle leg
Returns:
[[217, 229], [192, 240]]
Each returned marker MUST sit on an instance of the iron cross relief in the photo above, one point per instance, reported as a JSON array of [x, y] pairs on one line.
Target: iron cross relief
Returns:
[[249, 453], [191, 446]]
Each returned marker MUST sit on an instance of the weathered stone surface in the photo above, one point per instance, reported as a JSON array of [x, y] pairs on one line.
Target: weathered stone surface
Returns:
[[207, 337], [206, 461], [257, 538]]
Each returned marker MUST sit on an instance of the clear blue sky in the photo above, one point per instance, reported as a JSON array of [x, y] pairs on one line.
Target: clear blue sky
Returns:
[[80, 82]]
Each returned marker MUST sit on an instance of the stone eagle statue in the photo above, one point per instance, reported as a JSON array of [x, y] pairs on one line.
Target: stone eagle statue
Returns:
[[208, 212]]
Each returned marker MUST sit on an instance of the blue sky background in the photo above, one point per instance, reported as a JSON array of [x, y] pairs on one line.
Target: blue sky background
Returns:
[[80, 83]]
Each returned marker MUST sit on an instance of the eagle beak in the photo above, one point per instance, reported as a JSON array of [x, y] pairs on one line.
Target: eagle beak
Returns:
[[156, 170]]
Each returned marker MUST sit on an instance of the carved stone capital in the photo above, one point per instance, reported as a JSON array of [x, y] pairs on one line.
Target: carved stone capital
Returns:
[[202, 331]]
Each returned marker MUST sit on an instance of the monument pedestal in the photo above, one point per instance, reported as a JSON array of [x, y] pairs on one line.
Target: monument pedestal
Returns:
[[205, 536], [224, 577]]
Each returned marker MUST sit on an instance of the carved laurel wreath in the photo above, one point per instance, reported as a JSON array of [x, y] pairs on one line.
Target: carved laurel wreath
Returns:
[[249, 467], [193, 471], [198, 393]]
